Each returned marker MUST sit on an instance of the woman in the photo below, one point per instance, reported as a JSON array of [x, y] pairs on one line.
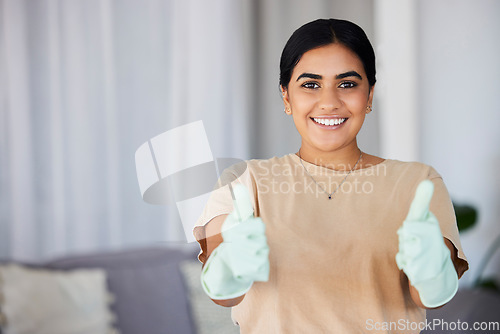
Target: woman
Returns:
[[330, 239]]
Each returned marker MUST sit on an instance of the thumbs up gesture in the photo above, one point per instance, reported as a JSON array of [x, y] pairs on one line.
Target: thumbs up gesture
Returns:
[[423, 255], [243, 256], [246, 234]]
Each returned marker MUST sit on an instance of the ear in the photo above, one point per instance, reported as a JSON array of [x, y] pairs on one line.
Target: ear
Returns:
[[370, 100], [370, 95], [286, 100]]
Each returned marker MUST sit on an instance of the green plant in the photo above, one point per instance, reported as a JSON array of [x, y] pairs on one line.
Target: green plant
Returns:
[[466, 216]]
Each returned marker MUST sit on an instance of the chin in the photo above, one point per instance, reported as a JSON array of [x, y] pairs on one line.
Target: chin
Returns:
[[327, 147]]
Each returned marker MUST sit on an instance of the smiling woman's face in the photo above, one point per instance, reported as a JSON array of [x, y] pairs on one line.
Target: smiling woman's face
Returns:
[[328, 95]]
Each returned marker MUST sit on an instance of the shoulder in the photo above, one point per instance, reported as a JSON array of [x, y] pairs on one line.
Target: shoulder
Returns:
[[260, 166], [411, 168], [253, 171]]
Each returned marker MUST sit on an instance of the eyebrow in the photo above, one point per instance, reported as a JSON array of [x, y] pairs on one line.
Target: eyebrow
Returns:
[[339, 76], [349, 74], [310, 76]]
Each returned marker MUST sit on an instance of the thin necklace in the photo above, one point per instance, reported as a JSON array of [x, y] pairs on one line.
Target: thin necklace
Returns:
[[333, 192]]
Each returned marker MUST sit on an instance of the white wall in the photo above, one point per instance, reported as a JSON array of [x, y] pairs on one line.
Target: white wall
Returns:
[[395, 92], [459, 110]]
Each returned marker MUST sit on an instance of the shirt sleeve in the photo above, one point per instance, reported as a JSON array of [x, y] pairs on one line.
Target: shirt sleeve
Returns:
[[442, 207]]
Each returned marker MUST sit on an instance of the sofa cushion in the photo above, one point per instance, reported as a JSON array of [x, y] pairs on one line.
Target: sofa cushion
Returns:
[[54, 302], [208, 317], [150, 297]]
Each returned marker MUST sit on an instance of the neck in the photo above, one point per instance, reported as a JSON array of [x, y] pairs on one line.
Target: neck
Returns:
[[342, 159]]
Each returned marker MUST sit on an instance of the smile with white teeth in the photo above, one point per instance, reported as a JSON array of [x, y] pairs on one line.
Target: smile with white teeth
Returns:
[[329, 121]]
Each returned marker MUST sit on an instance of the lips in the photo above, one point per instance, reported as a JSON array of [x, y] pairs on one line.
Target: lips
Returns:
[[329, 122]]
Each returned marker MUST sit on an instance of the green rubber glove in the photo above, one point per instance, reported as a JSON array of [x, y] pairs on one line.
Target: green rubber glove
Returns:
[[243, 256], [423, 255]]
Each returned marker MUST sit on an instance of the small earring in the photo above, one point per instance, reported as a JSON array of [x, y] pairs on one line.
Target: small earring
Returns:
[[286, 110], [368, 109]]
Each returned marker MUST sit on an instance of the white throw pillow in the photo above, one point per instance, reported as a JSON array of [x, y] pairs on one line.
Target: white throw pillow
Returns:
[[208, 317], [40, 301]]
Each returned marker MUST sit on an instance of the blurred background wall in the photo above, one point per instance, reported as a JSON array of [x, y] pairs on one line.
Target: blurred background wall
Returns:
[[85, 83], [458, 87]]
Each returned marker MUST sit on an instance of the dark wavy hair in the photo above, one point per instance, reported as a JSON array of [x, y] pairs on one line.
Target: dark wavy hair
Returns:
[[322, 32]]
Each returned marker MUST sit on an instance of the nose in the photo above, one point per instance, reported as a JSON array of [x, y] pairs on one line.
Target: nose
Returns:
[[329, 100]]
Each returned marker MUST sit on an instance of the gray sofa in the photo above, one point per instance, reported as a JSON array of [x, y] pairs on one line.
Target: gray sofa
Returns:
[[147, 285], [152, 288], [468, 306], [157, 291]]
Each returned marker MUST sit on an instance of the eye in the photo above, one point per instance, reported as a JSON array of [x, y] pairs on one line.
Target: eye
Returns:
[[310, 85], [347, 84]]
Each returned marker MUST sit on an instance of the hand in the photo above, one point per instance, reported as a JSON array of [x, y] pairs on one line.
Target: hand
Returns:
[[423, 255], [245, 234], [243, 256]]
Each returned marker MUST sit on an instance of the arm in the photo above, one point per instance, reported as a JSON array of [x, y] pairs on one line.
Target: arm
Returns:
[[242, 258], [214, 239], [413, 291], [424, 255]]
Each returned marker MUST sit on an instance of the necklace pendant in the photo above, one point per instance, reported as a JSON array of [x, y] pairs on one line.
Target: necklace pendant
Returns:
[[329, 196]]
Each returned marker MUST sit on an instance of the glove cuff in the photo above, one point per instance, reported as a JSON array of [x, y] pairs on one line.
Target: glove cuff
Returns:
[[217, 278], [441, 289]]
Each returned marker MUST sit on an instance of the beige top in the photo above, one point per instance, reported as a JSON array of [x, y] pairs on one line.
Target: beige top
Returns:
[[332, 262]]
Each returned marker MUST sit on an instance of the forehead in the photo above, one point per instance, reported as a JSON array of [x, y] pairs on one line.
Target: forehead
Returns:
[[329, 60]]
